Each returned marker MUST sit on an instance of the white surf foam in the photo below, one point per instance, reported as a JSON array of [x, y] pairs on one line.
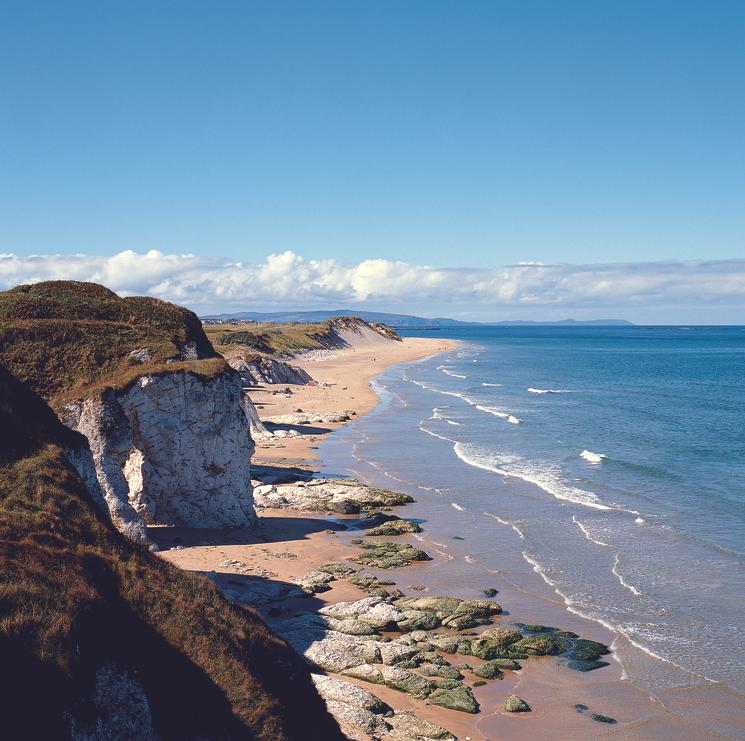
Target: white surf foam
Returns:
[[453, 422], [511, 418], [543, 475], [623, 630], [492, 384], [591, 457], [548, 391], [457, 506], [639, 520], [507, 524], [448, 372]]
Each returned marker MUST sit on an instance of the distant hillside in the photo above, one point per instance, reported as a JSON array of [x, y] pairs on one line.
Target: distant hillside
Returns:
[[288, 339], [100, 639], [397, 321], [381, 317]]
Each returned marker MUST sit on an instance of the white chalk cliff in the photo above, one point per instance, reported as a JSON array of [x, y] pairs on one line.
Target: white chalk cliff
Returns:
[[172, 449]]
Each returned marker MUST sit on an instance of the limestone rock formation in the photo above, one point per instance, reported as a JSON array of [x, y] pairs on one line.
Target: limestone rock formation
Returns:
[[171, 449], [256, 369]]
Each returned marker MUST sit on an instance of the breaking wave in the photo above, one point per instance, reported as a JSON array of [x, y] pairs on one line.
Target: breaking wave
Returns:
[[548, 391], [591, 457], [543, 475]]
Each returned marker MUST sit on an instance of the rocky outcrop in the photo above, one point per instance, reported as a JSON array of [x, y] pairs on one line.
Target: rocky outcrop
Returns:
[[345, 496], [363, 715], [256, 370], [255, 425], [171, 449]]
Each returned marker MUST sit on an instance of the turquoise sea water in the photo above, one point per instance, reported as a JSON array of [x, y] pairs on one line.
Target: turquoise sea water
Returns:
[[615, 457]]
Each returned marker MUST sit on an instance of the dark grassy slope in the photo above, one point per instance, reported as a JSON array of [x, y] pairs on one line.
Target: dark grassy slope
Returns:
[[75, 595], [69, 339]]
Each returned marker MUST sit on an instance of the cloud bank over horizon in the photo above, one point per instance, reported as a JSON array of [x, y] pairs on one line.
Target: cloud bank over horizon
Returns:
[[676, 291]]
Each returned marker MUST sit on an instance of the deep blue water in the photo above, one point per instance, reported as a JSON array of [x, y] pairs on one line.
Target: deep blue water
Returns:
[[616, 456]]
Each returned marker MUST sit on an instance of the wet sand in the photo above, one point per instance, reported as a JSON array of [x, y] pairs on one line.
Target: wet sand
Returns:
[[287, 544]]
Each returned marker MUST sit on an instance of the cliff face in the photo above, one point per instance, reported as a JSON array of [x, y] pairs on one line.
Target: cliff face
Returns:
[[174, 449], [168, 441]]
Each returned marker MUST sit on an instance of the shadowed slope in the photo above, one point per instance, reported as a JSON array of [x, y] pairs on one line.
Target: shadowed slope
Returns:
[[79, 603]]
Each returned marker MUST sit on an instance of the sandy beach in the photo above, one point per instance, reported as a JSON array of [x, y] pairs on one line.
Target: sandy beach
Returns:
[[287, 544]]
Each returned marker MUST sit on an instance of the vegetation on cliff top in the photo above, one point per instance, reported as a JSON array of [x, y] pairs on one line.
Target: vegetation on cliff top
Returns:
[[67, 339], [76, 596], [290, 339]]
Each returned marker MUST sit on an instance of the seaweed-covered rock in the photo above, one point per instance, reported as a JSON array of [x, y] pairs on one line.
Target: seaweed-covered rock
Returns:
[[350, 626], [460, 698], [396, 653], [395, 527], [543, 644], [586, 666], [405, 681], [388, 555], [365, 672], [502, 637], [337, 569], [506, 664], [436, 670], [419, 620], [515, 704], [488, 670], [584, 650], [453, 612], [370, 584], [488, 648], [406, 726]]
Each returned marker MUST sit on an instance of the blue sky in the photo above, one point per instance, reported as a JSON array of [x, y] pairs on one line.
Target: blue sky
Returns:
[[447, 134]]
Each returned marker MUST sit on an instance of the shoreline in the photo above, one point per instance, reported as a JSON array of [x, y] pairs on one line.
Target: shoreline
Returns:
[[289, 543]]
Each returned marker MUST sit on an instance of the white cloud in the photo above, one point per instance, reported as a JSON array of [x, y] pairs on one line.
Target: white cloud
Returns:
[[288, 280]]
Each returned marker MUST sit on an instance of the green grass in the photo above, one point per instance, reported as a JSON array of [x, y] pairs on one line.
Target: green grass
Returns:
[[75, 595]]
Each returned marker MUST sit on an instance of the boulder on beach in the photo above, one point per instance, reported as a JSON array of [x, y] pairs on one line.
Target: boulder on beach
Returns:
[[515, 704], [460, 698]]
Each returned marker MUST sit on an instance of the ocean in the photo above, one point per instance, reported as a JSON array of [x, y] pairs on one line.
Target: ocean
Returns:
[[606, 462]]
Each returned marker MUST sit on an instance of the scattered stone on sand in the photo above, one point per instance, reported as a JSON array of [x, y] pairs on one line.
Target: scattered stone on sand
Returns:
[[460, 698], [388, 555], [515, 704], [490, 592], [602, 718]]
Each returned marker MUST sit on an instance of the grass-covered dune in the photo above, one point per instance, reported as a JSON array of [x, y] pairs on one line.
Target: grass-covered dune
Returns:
[[77, 598], [290, 339], [68, 339]]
